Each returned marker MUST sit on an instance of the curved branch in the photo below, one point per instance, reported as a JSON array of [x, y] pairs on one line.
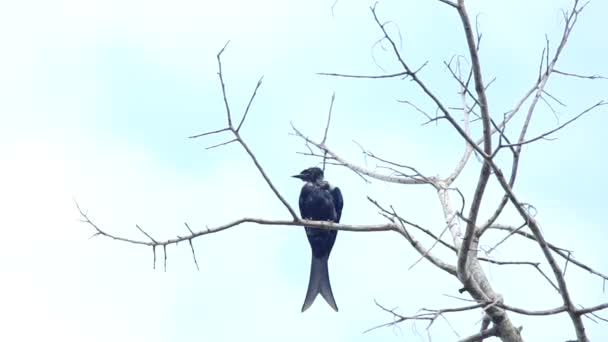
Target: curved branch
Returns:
[[468, 149]]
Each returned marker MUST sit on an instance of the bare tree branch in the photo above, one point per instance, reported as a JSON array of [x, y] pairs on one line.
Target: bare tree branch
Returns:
[[449, 3], [255, 91], [468, 149], [482, 335], [419, 111], [210, 133], [426, 315], [403, 73], [544, 135], [260, 221], [192, 247], [559, 251], [220, 75], [331, 107], [590, 77], [420, 83], [221, 144], [356, 168], [468, 245], [425, 253], [237, 136]]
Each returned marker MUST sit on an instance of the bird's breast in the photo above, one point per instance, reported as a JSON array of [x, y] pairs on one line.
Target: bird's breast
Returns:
[[319, 205]]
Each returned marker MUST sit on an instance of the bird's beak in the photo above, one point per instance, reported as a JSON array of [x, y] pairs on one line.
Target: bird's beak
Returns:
[[297, 176]]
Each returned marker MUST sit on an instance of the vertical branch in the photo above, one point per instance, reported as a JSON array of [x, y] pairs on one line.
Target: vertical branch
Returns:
[[220, 74], [331, 106], [468, 149], [468, 245]]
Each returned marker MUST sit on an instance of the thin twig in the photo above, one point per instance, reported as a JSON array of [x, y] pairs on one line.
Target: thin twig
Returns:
[[544, 135], [209, 133], [404, 73], [331, 107], [255, 91], [221, 144], [590, 77]]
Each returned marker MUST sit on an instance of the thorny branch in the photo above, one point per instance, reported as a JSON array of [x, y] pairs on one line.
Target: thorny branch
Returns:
[[194, 234]]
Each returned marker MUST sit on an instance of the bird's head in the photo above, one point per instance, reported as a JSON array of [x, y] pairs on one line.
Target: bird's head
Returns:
[[313, 175]]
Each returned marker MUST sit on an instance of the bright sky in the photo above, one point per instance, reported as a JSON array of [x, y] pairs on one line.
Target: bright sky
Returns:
[[97, 99]]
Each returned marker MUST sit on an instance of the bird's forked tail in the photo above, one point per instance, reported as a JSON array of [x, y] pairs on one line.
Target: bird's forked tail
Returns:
[[319, 283]]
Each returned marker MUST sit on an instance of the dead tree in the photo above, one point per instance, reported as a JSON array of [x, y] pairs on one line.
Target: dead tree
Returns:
[[484, 138]]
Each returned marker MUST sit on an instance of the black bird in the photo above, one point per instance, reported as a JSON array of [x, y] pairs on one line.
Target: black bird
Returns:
[[321, 202]]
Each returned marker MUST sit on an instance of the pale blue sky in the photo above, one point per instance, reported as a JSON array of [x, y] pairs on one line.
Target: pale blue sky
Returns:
[[97, 99]]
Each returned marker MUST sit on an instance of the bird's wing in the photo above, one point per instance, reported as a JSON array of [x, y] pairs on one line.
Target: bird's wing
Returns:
[[338, 202], [304, 211]]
